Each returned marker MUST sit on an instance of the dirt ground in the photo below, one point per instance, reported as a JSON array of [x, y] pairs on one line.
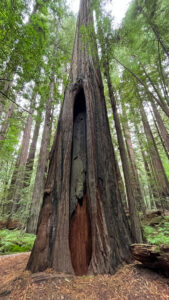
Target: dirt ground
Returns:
[[130, 282]]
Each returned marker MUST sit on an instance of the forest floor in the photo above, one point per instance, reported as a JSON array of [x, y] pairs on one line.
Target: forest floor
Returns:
[[130, 282]]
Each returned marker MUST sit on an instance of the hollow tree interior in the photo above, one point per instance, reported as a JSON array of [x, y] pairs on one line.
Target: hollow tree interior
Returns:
[[80, 239]]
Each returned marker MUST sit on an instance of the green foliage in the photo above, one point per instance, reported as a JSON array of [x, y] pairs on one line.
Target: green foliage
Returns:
[[13, 241], [159, 233]]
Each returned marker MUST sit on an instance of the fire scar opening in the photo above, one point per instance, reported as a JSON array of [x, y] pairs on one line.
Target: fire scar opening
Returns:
[[80, 227]]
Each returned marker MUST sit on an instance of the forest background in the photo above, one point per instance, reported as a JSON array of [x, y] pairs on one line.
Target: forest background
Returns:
[[36, 50]]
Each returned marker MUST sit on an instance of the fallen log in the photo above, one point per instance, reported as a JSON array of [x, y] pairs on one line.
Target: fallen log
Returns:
[[153, 257]]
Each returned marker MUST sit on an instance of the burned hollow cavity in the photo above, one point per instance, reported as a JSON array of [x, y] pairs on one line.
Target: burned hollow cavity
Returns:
[[80, 227]]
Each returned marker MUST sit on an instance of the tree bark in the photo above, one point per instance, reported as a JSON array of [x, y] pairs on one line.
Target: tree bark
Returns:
[[81, 188]]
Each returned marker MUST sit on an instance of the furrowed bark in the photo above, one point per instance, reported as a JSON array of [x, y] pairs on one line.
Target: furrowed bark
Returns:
[[81, 188]]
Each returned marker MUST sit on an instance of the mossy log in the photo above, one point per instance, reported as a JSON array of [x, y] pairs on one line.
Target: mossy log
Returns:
[[153, 257]]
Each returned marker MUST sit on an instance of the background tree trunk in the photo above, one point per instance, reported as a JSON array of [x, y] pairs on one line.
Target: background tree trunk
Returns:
[[22, 162], [40, 173], [160, 176], [134, 218], [32, 151], [5, 124]]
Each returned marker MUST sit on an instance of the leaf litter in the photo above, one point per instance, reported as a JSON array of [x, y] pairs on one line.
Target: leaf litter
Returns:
[[130, 282]]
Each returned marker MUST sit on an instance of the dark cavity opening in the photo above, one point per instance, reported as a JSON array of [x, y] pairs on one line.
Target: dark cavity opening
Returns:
[[80, 240]]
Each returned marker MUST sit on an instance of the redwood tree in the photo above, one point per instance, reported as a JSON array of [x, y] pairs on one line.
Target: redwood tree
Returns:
[[82, 226]]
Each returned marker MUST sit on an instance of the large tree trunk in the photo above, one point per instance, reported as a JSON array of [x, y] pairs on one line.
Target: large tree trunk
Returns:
[[81, 199]]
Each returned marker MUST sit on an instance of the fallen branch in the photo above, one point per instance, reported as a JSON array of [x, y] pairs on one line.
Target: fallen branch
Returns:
[[153, 257]]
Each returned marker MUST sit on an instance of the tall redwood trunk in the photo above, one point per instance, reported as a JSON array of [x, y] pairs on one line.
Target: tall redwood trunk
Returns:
[[43, 156], [82, 226], [134, 173]]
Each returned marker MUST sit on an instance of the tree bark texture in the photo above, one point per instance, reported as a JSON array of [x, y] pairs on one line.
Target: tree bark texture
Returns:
[[81, 198]]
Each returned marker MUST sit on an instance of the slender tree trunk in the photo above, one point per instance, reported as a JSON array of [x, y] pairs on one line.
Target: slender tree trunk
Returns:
[[134, 219], [150, 179], [159, 39], [32, 151], [135, 178], [21, 164], [4, 91], [161, 126], [162, 104], [163, 79], [121, 186], [40, 173], [5, 124], [163, 185], [81, 198], [161, 139], [157, 91]]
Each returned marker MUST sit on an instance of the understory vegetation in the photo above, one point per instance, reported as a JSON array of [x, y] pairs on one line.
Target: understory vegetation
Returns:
[[15, 241], [155, 230]]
